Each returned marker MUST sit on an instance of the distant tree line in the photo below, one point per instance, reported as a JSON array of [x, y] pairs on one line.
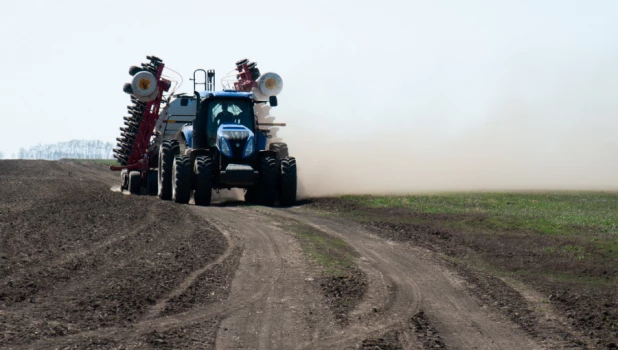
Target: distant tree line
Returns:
[[80, 149]]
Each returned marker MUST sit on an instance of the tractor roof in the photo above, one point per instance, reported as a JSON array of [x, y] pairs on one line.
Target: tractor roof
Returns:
[[226, 93]]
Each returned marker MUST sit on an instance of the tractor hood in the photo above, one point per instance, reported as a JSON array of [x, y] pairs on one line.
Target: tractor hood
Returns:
[[235, 141]]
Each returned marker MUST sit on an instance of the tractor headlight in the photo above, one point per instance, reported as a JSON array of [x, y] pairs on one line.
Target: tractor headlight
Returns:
[[249, 148], [224, 146]]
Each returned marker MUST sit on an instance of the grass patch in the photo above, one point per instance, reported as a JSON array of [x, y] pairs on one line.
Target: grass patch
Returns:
[[585, 280], [591, 217], [544, 213], [527, 234], [608, 248], [340, 281], [332, 254]]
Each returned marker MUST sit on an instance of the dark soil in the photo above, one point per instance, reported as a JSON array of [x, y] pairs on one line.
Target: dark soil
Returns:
[[342, 284], [201, 335], [425, 332], [418, 324], [343, 293], [574, 276], [76, 257], [209, 287], [387, 341]]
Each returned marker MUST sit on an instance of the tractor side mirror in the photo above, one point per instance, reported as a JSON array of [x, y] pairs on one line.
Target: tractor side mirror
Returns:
[[198, 102], [273, 101]]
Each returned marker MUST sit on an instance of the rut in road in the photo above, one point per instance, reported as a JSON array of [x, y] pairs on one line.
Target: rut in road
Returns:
[[272, 275], [420, 282], [271, 304]]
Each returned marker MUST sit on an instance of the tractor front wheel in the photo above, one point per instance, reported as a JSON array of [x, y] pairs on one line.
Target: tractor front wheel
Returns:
[[167, 151], [287, 191], [203, 180], [266, 191], [250, 195], [181, 191]]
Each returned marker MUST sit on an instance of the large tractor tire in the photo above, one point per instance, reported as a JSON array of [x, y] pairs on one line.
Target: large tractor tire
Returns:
[[266, 191], [181, 191], [167, 151], [287, 191], [203, 180], [251, 196], [135, 182]]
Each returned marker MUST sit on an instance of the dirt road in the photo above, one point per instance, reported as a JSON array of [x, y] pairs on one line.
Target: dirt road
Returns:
[[85, 267]]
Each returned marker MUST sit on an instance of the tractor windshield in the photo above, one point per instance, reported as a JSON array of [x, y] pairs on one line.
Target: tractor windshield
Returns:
[[228, 111]]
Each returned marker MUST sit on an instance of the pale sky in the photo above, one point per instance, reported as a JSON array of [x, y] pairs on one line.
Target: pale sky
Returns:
[[432, 70]]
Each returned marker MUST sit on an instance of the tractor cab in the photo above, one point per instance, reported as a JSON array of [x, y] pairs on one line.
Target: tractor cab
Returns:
[[228, 111], [226, 121]]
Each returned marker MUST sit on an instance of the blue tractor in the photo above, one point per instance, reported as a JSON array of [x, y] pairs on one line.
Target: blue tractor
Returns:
[[221, 142]]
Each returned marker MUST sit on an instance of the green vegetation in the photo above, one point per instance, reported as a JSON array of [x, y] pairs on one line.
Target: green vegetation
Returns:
[[609, 248], [333, 255], [544, 213], [565, 237]]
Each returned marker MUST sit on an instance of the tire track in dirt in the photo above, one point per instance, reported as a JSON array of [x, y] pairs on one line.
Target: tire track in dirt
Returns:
[[421, 284], [82, 252], [387, 297], [279, 312], [270, 275], [152, 321], [245, 302], [160, 305]]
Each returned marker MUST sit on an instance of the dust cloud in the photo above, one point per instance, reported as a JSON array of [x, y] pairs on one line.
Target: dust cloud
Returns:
[[492, 158], [458, 97], [549, 134]]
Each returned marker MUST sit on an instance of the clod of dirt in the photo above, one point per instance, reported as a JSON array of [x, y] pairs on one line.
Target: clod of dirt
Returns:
[[585, 311], [387, 341], [425, 332], [343, 293]]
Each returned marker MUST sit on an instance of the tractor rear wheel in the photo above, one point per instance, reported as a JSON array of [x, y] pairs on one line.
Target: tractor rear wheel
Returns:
[[181, 191], [266, 191], [287, 191], [250, 195], [135, 185], [203, 180], [167, 151]]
